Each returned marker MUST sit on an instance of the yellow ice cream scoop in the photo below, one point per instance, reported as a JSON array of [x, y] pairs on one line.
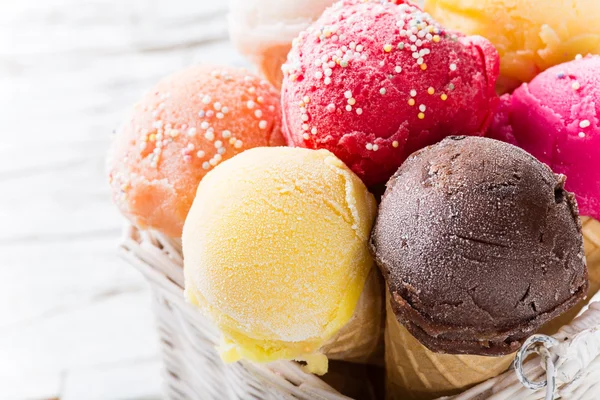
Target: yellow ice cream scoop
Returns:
[[530, 35], [276, 254]]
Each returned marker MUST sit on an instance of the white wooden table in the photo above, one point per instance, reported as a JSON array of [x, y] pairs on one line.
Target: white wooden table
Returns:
[[75, 321]]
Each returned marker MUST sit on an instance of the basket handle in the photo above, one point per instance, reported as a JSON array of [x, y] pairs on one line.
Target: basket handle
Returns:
[[538, 344]]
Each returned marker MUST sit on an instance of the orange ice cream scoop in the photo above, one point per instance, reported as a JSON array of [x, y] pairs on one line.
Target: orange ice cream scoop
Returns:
[[181, 129]]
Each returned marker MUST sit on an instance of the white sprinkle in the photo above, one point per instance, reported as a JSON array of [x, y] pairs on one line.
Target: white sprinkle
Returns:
[[305, 136], [305, 127], [222, 150], [206, 165], [415, 55], [348, 107], [318, 62], [220, 115], [359, 111], [218, 144], [398, 69], [328, 72], [250, 104], [258, 113], [584, 124], [238, 144], [225, 110], [206, 99], [412, 38], [359, 48], [327, 80], [226, 134], [420, 60], [452, 67], [375, 147], [204, 125], [304, 117], [578, 57], [191, 131], [209, 136], [190, 146], [382, 91], [348, 94], [262, 124], [318, 74], [581, 134], [217, 106], [369, 146], [422, 108], [313, 131], [413, 93], [200, 154]]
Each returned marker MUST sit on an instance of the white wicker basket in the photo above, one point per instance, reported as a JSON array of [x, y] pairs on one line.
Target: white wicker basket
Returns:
[[193, 369]]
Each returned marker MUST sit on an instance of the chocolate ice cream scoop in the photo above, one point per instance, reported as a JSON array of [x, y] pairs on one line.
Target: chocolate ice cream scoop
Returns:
[[479, 244]]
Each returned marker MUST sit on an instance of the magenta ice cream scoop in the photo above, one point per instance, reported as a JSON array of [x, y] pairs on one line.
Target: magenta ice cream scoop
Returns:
[[555, 117]]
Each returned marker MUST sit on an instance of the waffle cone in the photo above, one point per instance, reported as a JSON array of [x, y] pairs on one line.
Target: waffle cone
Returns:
[[361, 339], [415, 372], [591, 242], [270, 61]]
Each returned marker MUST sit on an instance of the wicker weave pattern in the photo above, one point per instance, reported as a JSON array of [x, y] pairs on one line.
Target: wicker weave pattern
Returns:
[[193, 369]]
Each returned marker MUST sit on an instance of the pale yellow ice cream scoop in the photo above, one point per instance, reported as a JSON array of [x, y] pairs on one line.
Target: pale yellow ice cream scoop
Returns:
[[276, 254], [530, 35]]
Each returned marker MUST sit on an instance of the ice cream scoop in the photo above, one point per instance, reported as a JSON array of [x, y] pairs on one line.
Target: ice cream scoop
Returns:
[[263, 30], [556, 118], [276, 253], [184, 126], [373, 81], [480, 245], [530, 35]]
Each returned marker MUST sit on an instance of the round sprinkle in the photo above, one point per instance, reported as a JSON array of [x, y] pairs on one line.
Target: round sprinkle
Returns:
[[217, 106], [226, 134], [436, 38], [204, 125], [452, 67], [206, 99], [395, 144], [423, 66], [422, 108], [191, 132], [306, 99], [581, 134], [262, 124], [561, 75], [260, 99], [352, 101], [359, 48], [304, 127], [313, 131], [382, 91], [327, 80], [444, 97], [218, 144], [359, 111], [220, 115], [258, 113], [401, 46], [451, 86], [369, 146], [431, 90], [304, 117], [200, 154], [348, 107], [398, 69], [331, 107], [375, 147], [578, 57], [387, 48], [347, 94], [209, 135], [222, 150], [328, 72], [305, 136], [411, 102], [576, 85], [250, 104], [238, 144], [413, 93], [584, 124], [421, 115], [206, 165], [318, 75]]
